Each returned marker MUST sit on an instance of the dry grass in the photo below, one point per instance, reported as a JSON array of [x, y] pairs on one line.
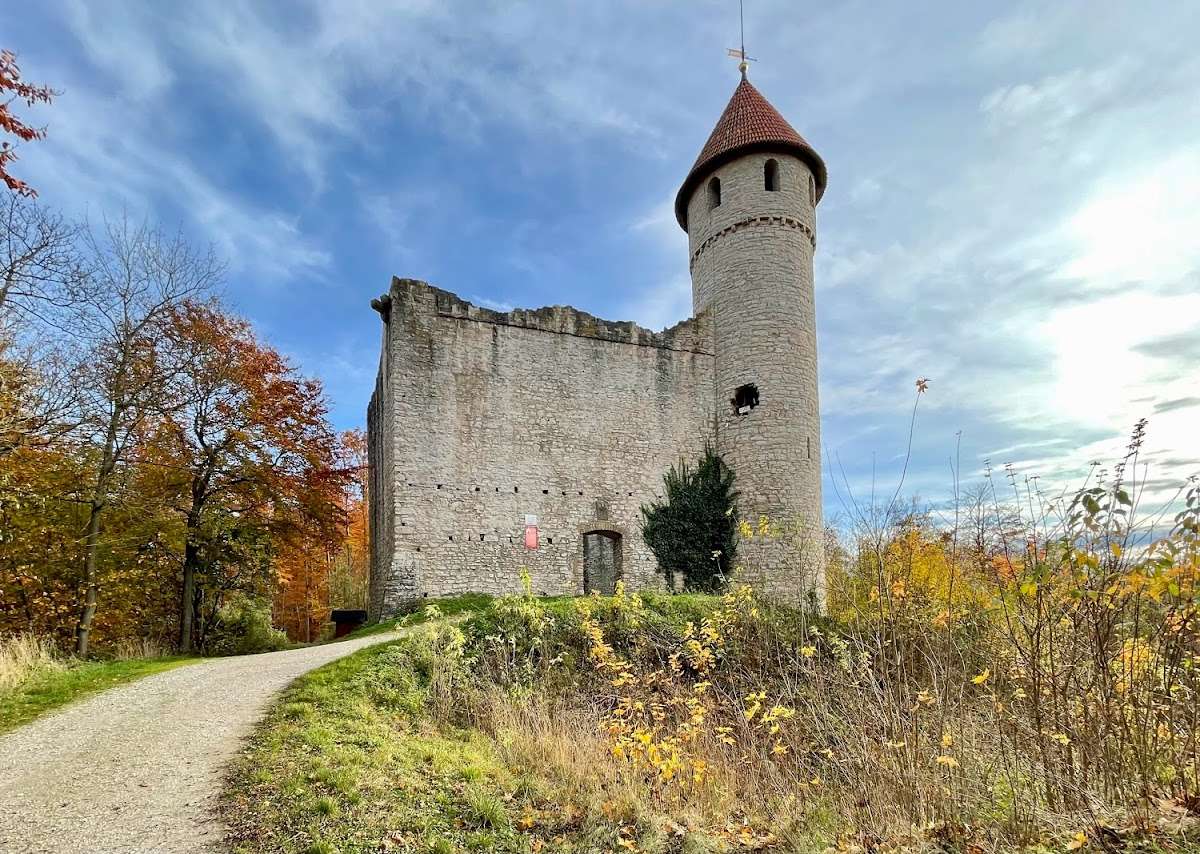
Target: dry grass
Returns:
[[128, 649], [23, 657], [1035, 685]]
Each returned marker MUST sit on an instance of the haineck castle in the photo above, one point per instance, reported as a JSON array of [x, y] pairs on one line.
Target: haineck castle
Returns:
[[527, 441]]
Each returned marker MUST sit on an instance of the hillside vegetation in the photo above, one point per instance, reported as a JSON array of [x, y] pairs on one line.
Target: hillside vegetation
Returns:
[[992, 693]]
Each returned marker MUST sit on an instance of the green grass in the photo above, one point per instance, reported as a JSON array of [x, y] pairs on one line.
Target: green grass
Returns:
[[665, 607], [450, 606], [49, 690], [348, 761]]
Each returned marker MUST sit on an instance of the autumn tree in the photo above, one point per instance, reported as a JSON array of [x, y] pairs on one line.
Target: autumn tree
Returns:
[[137, 279], [13, 88], [251, 439], [350, 570], [38, 256], [39, 269]]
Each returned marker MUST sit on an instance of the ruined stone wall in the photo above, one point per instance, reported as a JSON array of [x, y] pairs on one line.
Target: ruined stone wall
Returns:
[[480, 418], [751, 260]]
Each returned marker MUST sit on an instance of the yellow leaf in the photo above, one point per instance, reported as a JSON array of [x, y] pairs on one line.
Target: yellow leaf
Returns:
[[808, 651], [948, 761], [982, 677], [1077, 841]]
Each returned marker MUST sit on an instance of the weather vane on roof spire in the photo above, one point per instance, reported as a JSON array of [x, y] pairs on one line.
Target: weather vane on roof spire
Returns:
[[744, 64]]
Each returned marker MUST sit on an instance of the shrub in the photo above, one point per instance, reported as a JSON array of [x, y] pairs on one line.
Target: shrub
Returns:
[[692, 532], [243, 627]]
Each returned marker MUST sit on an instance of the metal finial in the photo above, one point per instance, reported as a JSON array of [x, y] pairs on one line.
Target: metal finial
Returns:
[[740, 53]]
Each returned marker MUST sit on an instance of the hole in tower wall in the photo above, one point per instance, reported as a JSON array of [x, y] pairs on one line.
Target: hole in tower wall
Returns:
[[771, 175], [714, 193], [745, 398], [808, 445], [812, 190]]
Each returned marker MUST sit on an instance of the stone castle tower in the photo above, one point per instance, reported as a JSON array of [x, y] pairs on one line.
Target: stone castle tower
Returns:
[[504, 443], [749, 207]]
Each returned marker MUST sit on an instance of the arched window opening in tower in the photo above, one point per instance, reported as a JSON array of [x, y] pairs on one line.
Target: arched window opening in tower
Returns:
[[714, 193], [812, 190], [745, 398], [771, 175]]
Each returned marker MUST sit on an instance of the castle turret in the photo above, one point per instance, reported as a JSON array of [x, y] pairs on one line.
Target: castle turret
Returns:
[[749, 208]]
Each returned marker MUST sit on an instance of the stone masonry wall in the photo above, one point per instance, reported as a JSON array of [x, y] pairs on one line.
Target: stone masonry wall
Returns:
[[480, 418], [751, 259]]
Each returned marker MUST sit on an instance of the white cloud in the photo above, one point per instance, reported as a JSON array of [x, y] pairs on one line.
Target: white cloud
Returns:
[[493, 304], [104, 157], [1143, 226], [126, 51], [1053, 103], [660, 225], [659, 306]]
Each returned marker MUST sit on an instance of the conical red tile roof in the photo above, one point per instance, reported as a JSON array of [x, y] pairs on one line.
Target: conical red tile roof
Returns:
[[748, 124]]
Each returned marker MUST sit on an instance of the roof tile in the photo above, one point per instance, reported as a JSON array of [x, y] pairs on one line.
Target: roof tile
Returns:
[[749, 123]]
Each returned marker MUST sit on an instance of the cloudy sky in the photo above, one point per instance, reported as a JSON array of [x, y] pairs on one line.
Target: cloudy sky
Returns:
[[1013, 206]]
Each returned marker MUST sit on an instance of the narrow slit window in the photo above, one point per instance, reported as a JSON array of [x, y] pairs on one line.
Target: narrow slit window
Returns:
[[812, 190], [714, 193], [771, 175], [744, 399]]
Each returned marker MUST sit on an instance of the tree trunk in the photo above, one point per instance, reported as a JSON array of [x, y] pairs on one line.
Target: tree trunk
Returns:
[[84, 628], [187, 614], [191, 564]]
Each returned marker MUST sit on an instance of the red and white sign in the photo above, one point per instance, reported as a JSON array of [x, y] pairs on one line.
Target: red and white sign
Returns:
[[531, 536]]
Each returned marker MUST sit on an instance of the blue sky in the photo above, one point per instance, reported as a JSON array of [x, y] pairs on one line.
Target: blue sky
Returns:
[[1012, 206]]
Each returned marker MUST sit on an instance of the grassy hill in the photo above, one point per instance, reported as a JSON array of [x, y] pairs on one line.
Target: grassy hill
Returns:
[[690, 724]]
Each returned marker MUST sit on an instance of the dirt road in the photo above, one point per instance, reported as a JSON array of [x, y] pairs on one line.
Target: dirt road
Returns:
[[136, 768]]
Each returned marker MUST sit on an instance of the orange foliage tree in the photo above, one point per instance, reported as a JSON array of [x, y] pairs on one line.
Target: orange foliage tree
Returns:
[[348, 586], [12, 87], [324, 563], [255, 463]]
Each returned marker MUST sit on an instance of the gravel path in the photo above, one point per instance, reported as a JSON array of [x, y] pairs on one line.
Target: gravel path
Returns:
[[136, 768]]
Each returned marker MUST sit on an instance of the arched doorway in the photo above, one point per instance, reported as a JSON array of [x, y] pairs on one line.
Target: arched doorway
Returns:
[[601, 561]]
